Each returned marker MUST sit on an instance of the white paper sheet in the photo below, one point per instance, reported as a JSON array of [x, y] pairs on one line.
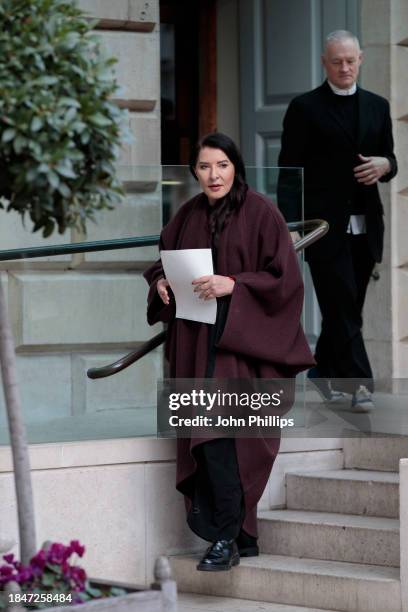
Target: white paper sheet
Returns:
[[181, 268]]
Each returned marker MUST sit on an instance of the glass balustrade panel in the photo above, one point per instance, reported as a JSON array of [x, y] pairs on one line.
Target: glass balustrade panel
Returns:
[[70, 312]]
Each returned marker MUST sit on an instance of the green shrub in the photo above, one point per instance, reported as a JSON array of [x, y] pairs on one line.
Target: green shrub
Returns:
[[59, 133]]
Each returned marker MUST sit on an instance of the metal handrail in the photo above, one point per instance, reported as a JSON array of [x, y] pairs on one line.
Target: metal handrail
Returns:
[[141, 241], [79, 247], [127, 360], [318, 229]]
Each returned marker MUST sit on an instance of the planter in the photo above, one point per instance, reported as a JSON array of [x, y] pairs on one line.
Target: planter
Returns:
[[161, 597]]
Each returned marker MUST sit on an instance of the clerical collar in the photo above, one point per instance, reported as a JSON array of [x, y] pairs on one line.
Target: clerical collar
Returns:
[[343, 92]]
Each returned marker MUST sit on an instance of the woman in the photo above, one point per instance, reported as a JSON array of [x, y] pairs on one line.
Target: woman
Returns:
[[257, 334]]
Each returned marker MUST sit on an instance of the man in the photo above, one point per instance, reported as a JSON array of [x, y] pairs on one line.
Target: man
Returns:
[[342, 136]]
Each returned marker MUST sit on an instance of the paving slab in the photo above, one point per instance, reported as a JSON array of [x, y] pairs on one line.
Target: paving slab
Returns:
[[188, 602]]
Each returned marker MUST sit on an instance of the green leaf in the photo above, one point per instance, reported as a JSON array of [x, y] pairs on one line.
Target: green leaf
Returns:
[[35, 147], [19, 143], [47, 231], [46, 80], [32, 174], [36, 124], [75, 154], [66, 101], [70, 114], [117, 592], [51, 25], [8, 135], [100, 120], [71, 39], [48, 578], [81, 73], [65, 171], [7, 120], [93, 591], [64, 190], [78, 126], [53, 179], [85, 137], [83, 596], [105, 74]]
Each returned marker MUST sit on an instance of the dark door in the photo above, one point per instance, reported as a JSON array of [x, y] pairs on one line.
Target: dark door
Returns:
[[188, 75]]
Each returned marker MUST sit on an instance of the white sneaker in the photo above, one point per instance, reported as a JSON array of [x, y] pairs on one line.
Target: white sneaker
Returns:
[[362, 400]]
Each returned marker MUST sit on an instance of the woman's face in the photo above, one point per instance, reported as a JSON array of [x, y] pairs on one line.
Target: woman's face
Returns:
[[215, 173]]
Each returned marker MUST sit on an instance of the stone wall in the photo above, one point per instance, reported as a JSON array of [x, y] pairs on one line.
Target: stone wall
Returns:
[[71, 313]]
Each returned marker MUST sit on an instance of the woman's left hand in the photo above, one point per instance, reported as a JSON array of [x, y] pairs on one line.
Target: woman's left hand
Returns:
[[213, 286]]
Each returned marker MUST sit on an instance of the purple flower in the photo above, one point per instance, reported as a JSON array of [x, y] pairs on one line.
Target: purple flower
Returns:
[[6, 574], [24, 575], [39, 560], [65, 566], [77, 576], [76, 547], [57, 553]]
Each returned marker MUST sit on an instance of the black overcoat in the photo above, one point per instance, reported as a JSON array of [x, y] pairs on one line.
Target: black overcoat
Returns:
[[315, 139], [262, 337]]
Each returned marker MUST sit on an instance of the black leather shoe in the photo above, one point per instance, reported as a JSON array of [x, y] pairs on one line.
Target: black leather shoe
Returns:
[[220, 556], [247, 545]]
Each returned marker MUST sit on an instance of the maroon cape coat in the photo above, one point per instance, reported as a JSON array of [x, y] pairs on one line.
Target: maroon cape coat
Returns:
[[262, 337]]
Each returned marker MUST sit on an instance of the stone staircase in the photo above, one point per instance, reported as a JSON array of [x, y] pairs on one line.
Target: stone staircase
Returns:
[[334, 547]]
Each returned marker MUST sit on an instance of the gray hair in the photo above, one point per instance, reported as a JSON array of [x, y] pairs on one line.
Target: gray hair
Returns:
[[340, 35]]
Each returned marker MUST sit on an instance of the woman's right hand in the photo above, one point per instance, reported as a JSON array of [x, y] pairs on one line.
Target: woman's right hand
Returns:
[[162, 285]]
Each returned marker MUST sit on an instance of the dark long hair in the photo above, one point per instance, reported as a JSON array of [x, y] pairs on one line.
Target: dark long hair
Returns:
[[233, 200]]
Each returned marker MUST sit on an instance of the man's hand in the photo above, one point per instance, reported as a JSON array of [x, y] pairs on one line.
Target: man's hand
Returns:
[[210, 287], [373, 168], [161, 286]]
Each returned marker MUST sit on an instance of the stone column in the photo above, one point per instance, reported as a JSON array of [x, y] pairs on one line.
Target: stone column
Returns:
[[384, 33], [403, 470]]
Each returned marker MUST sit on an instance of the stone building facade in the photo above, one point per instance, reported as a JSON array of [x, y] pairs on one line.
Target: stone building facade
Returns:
[[70, 313]]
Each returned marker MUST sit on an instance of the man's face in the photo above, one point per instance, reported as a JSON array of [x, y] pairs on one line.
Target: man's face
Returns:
[[341, 61]]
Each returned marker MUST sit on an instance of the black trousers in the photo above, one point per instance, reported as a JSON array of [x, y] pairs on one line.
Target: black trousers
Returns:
[[341, 284], [217, 511]]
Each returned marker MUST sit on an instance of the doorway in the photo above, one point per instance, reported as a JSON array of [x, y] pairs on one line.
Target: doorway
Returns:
[[188, 76]]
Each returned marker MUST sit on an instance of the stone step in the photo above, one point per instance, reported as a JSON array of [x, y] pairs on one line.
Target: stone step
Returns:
[[329, 585], [369, 493], [375, 453], [329, 536], [191, 602]]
